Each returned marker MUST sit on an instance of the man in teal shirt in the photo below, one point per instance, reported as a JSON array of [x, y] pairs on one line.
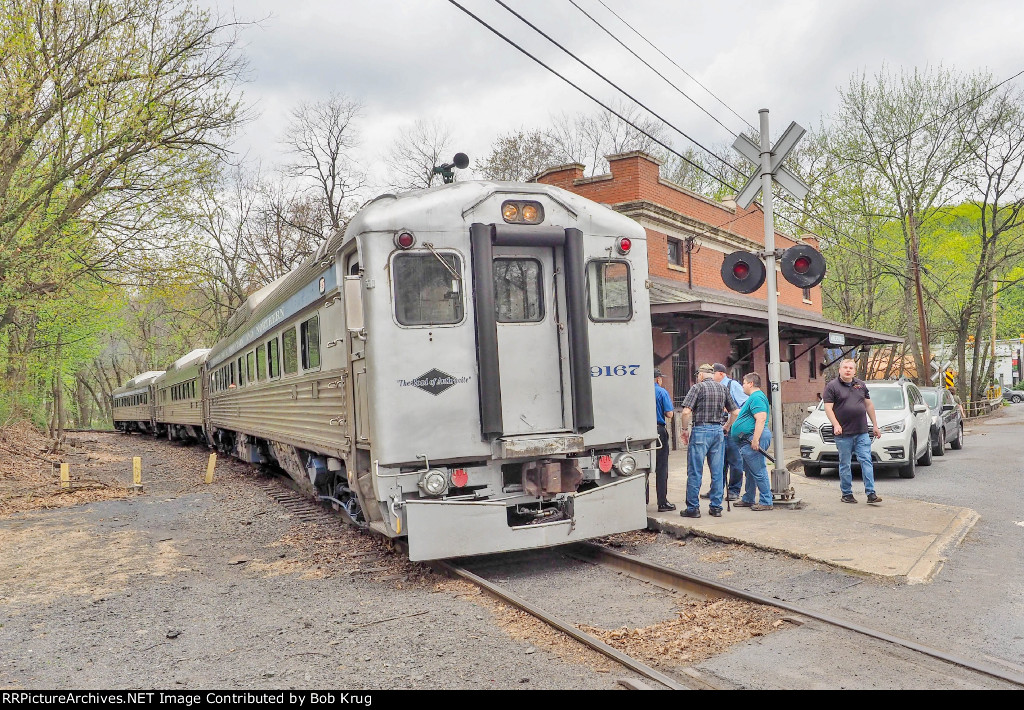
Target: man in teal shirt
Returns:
[[751, 434]]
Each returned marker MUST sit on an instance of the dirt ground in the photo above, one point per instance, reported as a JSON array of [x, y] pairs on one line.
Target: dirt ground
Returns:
[[192, 585]]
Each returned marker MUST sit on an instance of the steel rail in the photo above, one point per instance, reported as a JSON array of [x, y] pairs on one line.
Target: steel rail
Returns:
[[563, 626], [694, 584]]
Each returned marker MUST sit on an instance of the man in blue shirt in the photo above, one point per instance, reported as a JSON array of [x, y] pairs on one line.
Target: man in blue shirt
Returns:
[[733, 460], [750, 432], [663, 409]]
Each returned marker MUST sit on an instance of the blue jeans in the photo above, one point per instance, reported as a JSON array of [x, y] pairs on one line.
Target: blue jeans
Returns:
[[757, 471], [706, 442], [859, 444], [733, 466]]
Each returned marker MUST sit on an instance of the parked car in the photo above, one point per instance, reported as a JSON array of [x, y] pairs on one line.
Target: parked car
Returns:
[[947, 424], [1015, 396], [903, 418]]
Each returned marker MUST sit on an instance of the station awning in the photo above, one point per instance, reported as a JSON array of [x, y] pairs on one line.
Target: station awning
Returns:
[[670, 299]]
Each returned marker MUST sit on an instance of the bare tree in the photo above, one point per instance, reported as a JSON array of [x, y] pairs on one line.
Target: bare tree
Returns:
[[320, 138], [518, 156], [417, 151], [587, 139]]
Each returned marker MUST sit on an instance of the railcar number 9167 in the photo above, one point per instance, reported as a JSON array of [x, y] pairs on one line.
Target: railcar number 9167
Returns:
[[613, 370]]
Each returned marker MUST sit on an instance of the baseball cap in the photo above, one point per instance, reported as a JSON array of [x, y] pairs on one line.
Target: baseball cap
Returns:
[[657, 373], [719, 367], [706, 368]]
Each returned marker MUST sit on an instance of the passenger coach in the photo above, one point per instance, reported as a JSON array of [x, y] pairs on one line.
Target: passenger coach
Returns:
[[468, 365]]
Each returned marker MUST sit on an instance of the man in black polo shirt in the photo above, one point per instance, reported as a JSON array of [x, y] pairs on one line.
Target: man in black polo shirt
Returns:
[[848, 406], [705, 403]]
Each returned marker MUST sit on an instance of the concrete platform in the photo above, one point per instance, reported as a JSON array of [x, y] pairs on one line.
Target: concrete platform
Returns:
[[901, 538]]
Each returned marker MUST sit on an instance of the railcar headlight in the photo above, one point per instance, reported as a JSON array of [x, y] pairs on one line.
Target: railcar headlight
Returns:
[[894, 428], [510, 211], [434, 482], [626, 464]]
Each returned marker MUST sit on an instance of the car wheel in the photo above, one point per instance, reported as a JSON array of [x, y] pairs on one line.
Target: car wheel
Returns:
[[958, 442], [1016, 399], [926, 459], [812, 471], [939, 449], [910, 469]]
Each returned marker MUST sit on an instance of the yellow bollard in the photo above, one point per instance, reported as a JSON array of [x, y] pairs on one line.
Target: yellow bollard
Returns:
[[209, 468], [65, 476], [137, 472]]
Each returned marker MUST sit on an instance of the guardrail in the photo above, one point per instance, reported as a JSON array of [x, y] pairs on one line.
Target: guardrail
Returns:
[[982, 407]]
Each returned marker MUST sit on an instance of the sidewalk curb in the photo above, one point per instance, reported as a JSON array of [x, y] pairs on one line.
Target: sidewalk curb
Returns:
[[935, 556]]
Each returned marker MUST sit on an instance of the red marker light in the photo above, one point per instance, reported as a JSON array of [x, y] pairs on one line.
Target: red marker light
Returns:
[[802, 265], [624, 245], [459, 477], [741, 270], [404, 240], [604, 463]]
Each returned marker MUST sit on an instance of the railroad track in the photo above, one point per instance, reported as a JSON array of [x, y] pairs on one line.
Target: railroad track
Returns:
[[307, 510]]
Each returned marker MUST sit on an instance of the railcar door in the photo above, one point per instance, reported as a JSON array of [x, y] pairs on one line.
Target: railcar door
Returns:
[[529, 362]]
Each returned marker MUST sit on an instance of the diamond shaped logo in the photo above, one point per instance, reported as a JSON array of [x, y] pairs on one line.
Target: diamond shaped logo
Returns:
[[434, 381]]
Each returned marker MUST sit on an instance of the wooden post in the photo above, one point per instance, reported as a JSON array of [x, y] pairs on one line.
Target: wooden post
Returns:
[[209, 468], [137, 472], [65, 476]]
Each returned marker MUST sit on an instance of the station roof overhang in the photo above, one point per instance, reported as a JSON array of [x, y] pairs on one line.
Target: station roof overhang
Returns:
[[670, 301]]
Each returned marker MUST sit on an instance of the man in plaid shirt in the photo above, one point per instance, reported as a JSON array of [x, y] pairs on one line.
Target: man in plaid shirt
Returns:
[[704, 405]]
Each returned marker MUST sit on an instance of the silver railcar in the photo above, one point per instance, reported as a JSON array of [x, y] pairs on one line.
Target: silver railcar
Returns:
[[178, 404], [132, 403], [469, 366]]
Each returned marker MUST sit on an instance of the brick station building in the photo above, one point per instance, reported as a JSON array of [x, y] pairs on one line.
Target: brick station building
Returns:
[[696, 317]]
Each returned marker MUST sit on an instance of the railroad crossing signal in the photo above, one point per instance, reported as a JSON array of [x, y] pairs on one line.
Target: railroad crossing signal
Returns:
[[782, 175]]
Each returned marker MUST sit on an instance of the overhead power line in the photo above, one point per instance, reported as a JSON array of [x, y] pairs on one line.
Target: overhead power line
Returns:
[[692, 78], [648, 65], [615, 86], [593, 98]]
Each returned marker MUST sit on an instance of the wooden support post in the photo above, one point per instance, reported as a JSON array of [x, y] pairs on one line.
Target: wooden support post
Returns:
[[209, 468], [137, 473], [65, 476]]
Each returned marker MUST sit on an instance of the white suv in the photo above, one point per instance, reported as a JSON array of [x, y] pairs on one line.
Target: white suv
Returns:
[[905, 422]]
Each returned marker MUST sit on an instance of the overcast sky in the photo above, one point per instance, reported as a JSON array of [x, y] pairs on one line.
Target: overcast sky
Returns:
[[407, 59]]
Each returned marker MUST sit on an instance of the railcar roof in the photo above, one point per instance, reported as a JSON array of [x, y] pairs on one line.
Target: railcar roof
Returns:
[[197, 355]]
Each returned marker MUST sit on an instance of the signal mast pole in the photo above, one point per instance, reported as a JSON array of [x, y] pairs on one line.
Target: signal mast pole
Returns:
[[780, 474]]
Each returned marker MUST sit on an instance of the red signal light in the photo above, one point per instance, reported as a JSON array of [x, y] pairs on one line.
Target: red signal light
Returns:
[[404, 240], [802, 265], [741, 270], [624, 245], [459, 477]]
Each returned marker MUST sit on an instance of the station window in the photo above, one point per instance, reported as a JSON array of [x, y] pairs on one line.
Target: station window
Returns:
[[518, 295], [273, 359], [812, 362], [675, 252], [428, 289], [289, 350], [261, 362], [310, 331], [608, 290]]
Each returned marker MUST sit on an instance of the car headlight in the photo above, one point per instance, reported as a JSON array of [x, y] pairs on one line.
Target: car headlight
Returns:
[[894, 428], [434, 482], [808, 428], [625, 464]]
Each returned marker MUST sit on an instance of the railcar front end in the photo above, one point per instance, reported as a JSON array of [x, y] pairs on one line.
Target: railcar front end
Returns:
[[501, 360]]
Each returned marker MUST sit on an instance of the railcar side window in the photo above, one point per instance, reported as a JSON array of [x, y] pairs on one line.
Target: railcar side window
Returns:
[[273, 359], [288, 352], [261, 362], [427, 291], [608, 290], [310, 343], [240, 368], [517, 291], [250, 367]]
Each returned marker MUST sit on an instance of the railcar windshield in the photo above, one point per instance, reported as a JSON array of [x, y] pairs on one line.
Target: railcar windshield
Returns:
[[427, 289], [517, 291]]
